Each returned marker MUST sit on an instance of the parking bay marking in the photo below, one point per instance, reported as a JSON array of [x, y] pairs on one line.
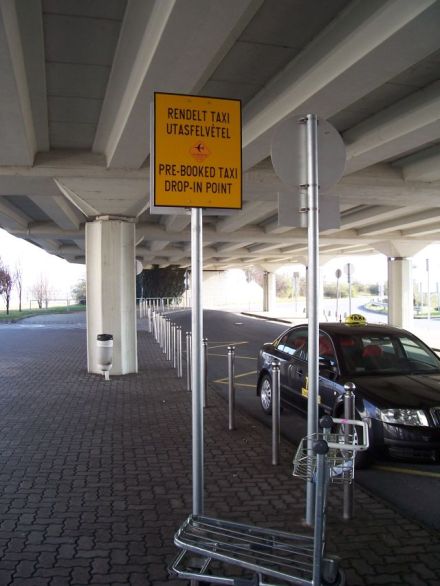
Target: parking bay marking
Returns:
[[410, 471], [224, 381], [236, 357], [224, 344]]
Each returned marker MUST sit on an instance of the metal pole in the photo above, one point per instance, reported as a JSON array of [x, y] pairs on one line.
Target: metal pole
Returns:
[[205, 371], [188, 360], [197, 364], [320, 450], [349, 413], [179, 352], [313, 293], [154, 325], [174, 338], [161, 330], [231, 387], [168, 342], [275, 413]]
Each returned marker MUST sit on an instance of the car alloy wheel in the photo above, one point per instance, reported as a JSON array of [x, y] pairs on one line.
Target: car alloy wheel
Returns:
[[266, 394]]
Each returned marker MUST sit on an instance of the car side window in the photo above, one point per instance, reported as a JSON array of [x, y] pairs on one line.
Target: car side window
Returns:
[[294, 343], [326, 349]]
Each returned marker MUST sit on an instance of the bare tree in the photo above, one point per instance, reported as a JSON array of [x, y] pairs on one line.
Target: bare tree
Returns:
[[40, 291], [18, 282], [6, 283]]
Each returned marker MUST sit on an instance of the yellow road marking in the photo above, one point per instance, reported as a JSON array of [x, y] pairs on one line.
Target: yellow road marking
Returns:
[[225, 344], [236, 357], [410, 471], [224, 381]]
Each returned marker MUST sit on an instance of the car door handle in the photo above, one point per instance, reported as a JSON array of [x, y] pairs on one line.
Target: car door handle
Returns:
[[299, 371]]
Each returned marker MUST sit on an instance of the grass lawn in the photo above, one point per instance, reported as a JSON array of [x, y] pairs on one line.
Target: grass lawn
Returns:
[[15, 315]]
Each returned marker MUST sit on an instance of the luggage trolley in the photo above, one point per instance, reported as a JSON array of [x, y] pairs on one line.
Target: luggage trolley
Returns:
[[215, 551]]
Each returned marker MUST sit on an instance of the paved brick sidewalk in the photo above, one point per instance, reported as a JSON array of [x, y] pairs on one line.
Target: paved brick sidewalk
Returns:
[[95, 475]]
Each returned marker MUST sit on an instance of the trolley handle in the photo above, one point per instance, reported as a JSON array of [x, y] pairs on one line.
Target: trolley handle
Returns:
[[352, 446]]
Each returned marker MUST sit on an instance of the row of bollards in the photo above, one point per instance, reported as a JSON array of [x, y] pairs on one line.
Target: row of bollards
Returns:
[[158, 304], [169, 337]]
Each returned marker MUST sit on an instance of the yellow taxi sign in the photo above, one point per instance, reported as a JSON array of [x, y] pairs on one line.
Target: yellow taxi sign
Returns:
[[356, 319], [197, 152]]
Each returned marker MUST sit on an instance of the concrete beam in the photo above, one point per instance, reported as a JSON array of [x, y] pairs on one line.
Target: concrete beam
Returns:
[[404, 126], [12, 218], [156, 51], [368, 44], [250, 213], [30, 20], [60, 211], [18, 143], [401, 222], [177, 223], [423, 166]]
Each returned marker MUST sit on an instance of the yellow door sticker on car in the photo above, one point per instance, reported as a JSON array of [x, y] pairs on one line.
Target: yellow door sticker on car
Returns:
[[305, 390]]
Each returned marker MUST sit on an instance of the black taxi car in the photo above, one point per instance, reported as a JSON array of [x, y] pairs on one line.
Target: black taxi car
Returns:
[[396, 378]]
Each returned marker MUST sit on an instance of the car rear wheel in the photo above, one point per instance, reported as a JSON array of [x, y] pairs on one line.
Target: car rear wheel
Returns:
[[266, 394]]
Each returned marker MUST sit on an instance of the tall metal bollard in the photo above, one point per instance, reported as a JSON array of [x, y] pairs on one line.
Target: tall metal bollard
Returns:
[[149, 320], [349, 413], [188, 361], [168, 338], [154, 325], [179, 352], [205, 372], [162, 332], [275, 413], [159, 329], [231, 387], [165, 334], [174, 344]]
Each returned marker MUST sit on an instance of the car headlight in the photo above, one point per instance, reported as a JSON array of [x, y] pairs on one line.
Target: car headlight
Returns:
[[404, 417]]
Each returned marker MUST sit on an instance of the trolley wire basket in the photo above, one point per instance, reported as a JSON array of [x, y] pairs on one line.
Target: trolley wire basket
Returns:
[[342, 448]]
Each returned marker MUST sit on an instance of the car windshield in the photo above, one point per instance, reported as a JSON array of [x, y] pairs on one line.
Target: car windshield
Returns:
[[381, 353]]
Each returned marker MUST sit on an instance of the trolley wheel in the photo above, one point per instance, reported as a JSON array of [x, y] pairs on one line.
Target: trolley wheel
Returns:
[[338, 581]]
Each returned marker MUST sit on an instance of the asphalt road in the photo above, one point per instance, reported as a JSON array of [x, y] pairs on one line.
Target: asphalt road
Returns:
[[410, 488]]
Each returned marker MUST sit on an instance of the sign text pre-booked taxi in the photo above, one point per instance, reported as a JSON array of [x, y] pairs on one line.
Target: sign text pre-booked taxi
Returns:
[[197, 152]]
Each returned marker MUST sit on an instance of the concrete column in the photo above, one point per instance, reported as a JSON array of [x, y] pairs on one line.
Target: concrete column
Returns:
[[111, 291], [269, 291], [400, 293]]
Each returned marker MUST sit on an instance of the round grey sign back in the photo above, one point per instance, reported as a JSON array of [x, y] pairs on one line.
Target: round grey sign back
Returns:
[[289, 153]]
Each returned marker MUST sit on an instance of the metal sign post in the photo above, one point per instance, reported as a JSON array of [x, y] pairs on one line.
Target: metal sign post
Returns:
[[196, 360], [195, 163], [300, 136], [311, 122]]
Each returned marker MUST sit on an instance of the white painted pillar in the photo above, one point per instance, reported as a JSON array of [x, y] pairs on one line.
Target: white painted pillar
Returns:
[[111, 292], [400, 293], [269, 291]]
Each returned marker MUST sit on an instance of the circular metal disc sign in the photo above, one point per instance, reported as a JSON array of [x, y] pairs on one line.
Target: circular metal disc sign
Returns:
[[289, 153]]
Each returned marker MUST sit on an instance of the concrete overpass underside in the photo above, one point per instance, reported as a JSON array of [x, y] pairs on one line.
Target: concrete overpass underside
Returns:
[[78, 78]]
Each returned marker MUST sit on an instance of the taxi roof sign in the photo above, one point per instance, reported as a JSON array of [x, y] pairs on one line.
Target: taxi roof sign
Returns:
[[356, 319]]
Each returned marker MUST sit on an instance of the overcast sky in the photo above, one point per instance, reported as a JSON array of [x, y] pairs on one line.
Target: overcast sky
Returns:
[[34, 261]]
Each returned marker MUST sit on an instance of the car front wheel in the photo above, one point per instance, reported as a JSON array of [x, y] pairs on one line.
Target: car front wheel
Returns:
[[266, 394]]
